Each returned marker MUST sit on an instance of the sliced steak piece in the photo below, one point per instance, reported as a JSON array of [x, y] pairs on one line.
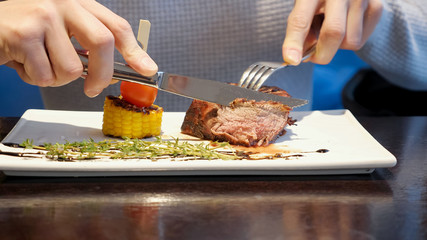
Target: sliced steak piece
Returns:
[[244, 122]]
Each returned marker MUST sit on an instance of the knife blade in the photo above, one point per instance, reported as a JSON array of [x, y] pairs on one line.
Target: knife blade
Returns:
[[196, 88]]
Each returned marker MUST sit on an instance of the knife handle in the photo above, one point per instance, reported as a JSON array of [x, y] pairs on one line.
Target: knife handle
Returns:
[[123, 72]]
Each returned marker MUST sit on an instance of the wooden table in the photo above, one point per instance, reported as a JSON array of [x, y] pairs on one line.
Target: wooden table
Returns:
[[387, 204]]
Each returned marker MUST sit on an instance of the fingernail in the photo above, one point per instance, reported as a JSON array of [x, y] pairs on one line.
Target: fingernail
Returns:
[[93, 92], [293, 56]]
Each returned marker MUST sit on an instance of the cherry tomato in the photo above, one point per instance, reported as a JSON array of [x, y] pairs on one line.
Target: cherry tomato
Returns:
[[137, 94]]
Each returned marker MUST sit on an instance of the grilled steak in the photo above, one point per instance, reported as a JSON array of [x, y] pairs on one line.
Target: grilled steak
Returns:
[[244, 122]]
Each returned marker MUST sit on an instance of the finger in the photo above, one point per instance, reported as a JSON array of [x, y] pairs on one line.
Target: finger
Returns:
[[36, 64], [125, 39], [371, 18], [3, 58], [332, 32], [19, 67], [354, 32], [66, 64], [23, 41], [98, 40], [298, 27]]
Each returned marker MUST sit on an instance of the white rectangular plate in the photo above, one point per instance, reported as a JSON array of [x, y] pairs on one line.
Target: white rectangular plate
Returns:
[[352, 150]]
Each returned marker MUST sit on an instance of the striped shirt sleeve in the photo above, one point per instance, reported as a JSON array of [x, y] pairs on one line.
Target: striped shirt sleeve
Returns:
[[397, 49]]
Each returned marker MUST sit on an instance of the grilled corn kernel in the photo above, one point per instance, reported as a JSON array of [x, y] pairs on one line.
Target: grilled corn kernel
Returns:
[[122, 119]]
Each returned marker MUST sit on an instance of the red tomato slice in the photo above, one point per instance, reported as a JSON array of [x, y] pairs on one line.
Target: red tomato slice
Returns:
[[137, 94]]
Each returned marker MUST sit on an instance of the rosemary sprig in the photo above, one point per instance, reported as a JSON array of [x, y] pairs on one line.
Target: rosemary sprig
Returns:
[[132, 149]]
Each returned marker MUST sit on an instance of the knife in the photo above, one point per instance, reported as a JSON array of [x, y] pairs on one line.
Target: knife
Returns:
[[196, 88]]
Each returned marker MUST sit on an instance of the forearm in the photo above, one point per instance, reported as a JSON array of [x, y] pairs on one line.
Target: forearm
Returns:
[[398, 47]]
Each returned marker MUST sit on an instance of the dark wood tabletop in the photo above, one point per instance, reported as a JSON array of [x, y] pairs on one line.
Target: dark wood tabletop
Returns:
[[386, 204]]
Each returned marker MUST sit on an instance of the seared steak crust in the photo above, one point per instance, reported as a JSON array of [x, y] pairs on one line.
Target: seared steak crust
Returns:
[[244, 122]]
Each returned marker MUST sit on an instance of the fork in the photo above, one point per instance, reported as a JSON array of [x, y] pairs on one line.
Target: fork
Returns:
[[256, 74]]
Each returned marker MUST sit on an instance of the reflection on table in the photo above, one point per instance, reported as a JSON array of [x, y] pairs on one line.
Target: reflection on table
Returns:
[[387, 204]]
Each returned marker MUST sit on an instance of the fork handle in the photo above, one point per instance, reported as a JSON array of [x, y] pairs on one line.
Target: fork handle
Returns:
[[308, 52]]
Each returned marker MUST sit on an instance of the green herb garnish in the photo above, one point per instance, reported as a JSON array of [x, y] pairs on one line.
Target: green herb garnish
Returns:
[[132, 149]]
